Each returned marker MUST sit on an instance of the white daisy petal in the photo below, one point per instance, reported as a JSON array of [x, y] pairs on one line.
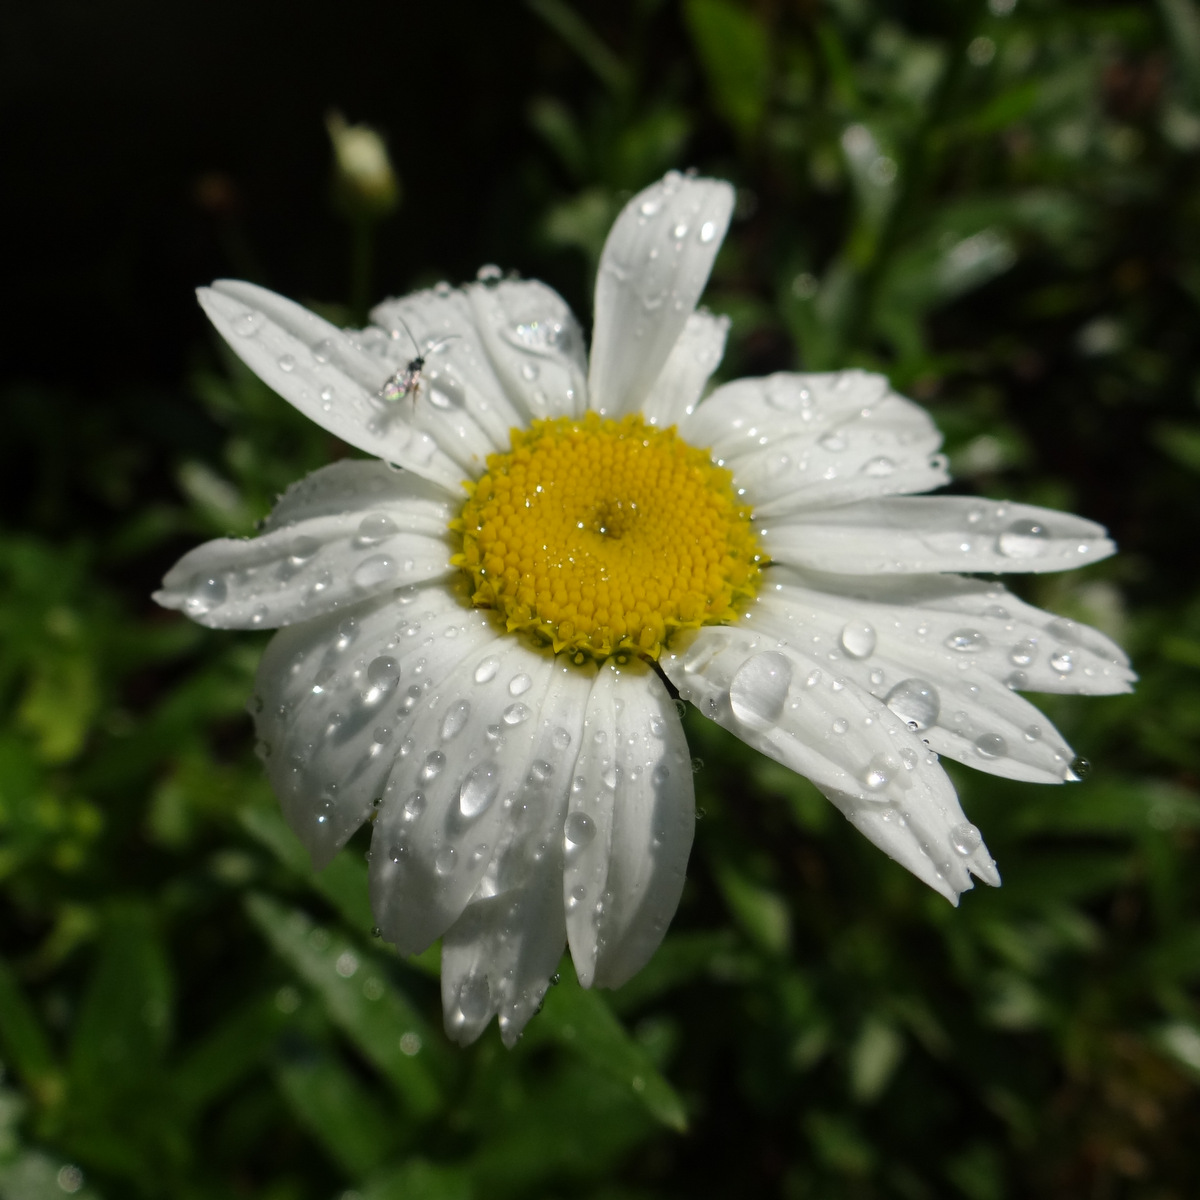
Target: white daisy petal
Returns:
[[458, 399], [445, 805], [812, 441], [696, 355], [822, 725], [949, 696], [333, 697], [535, 345], [499, 955], [325, 372], [654, 266], [654, 822], [629, 826], [916, 535]]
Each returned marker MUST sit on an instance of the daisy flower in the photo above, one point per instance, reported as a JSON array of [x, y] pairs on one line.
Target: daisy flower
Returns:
[[487, 627]]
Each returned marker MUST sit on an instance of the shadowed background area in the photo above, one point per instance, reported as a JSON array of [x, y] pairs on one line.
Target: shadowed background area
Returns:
[[994, 203]]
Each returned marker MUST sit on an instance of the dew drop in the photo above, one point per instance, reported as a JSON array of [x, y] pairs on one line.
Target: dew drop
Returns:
[[247, 324], [487, 669], [965, 838], [1033, 733], [841, 725], [880, 771], [967, 641], [519, 685], [708, 231], [373, 571], [1023, 653], [759, 688], [991, 745], [414, 806], [579, 829], [302, 549], [561, 739], [915, 701], [435, 760], [878, 467], [375, 528], [514, 714], [205, 592], [832, 441], [478, 791], [383, 672], [443, 862], [287, 363], [455, 718], [1079, 770], [474, 998], [858, 638], [1062, 661], [1022, 539]]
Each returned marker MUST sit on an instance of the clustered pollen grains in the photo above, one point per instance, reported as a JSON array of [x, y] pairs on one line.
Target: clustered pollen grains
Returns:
[[604, 536]]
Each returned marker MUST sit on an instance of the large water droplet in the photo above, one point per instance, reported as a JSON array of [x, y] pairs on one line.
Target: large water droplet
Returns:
[[965, 838], [580, 829], [435, 760], [881, 770], [487, 669], [383, 672], [967, 641], [478, 791], [204, 593], [374, 528], [759, 688], [455, 718], [1061, 661], [514, 714], [1023, 653], [373, 571], [474, 998], [519, 685], [991, 745], [1023, 539], [858, 638], [915, 702]]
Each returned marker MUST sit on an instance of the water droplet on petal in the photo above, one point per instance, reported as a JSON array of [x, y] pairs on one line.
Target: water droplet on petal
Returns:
[[478, 791], [561, 739], [832, 441], [205, 592], [579, 829], [967, 641], [965, 838], [858, 638], [383, 672], [373, 571], [487, 669], [519, 685], [247, 324], [1023, 653], [514, 714], [880, 771], [414, 806], [878, 467], [287, 363], [916, 702], [443, 862], [759, 688], [991, 745], [474, 998], [374, 528], [434, 762], [1062, 661], [455, 718], [1023, 539], [1079, 770]]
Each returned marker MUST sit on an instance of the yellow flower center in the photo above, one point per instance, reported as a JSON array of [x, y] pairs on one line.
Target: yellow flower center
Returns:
[[605, 536]]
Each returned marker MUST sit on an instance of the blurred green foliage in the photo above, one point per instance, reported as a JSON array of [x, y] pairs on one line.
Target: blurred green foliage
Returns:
[[995, 203]]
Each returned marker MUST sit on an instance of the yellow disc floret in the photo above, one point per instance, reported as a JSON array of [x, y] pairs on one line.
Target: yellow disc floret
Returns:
[[604, 536]]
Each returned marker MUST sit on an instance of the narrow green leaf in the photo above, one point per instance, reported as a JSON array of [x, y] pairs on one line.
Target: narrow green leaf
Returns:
[[26, 1046], [338, 1110], [360, 999], [581, 1021], [733, 49]]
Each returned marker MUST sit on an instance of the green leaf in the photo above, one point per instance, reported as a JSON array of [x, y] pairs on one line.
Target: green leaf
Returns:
[[345, 1118], [25, 1044], [420, 1180], [360, 999], [580, 1020], [736, 58]]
